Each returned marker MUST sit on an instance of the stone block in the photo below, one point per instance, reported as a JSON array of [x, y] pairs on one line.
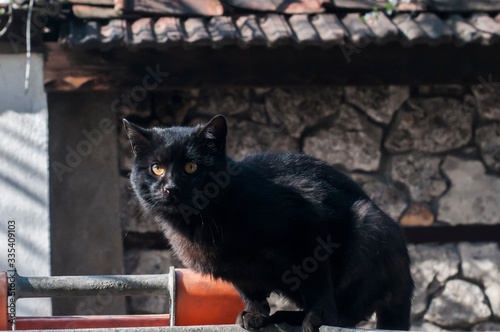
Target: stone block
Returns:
[[473, 196], [488, 101], [246, 137], [460, 303], [172, 107], [385, 194], [481, 262], [227, 102], [431, 266], [430, 125], [378, 102], [488, 140], [350, 140], [420, 173], [297, 109]]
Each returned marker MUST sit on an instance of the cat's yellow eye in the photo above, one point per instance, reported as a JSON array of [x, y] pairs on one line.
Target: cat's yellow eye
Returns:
[[190, 167], [158, 169]]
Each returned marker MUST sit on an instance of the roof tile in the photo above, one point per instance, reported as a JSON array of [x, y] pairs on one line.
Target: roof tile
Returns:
[[196, 34], [249, 31], [276, 29], [303, 30], [410, 30], [383, 28], [436, 30], [330, 29], [464, 32], [168, 31], [222, 30], [487, 26], [140, 33], [112, 34], [358, 32]]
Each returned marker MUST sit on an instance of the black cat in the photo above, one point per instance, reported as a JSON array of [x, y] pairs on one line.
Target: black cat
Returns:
[[284, 223]]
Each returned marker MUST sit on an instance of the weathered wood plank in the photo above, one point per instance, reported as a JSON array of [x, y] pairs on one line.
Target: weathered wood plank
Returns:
[[249, 31], [280, 6], [110, 3], [437, 31], [196, 34], [222, 31], [410, 30], [178, 7], [488, 27], [276, 29], [141, 33], [463, 32], [358, 32], [383, 28], [464, 6], [330, 29], [391, 64], [304, 32], [168, 31], [93, 12]]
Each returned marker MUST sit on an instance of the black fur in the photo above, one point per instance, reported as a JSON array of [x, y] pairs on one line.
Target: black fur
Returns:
[[286, 223]]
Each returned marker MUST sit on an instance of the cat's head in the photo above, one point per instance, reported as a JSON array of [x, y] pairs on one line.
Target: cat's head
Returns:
[[172, 165]]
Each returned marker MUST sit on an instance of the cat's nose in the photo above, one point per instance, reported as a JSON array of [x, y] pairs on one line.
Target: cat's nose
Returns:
[[169, 189]]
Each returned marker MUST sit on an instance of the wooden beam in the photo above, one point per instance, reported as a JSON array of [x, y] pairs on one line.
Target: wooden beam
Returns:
[[258, 65]]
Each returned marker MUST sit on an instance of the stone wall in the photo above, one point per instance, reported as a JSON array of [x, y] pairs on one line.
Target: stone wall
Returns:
[[427, 155]]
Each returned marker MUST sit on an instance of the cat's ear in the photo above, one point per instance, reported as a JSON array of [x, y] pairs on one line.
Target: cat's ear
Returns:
[[138, 136], [215, 129]]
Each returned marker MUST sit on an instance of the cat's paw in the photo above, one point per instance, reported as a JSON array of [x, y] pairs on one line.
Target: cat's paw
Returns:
[[315, 318], [251, 320]]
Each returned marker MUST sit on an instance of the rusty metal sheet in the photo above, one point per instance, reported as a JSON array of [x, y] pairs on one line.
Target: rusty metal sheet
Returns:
[[178, 7], [280, 6]]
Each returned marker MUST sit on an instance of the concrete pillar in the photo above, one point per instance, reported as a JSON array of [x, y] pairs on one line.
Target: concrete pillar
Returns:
[[84, 192], [24, 172]]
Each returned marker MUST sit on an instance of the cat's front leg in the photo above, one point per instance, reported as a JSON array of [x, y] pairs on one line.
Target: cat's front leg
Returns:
[[256, 313], [319, 301]]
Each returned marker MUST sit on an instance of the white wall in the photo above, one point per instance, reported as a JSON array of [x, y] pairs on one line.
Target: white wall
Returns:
[[24, 172]]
